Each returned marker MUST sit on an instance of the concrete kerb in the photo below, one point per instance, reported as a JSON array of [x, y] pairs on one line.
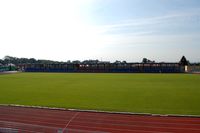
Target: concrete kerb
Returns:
[[99, 111]]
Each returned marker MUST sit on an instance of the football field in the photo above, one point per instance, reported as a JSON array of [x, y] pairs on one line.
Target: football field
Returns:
[[137, 93]]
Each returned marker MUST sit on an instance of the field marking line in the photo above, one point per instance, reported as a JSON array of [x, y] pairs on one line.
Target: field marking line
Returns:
[[73, 117]]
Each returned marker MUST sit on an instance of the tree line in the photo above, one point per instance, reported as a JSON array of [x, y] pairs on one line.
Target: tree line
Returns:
[[16, 61]]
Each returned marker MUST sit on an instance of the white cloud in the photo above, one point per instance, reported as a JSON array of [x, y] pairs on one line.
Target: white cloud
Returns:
[[172, 17]]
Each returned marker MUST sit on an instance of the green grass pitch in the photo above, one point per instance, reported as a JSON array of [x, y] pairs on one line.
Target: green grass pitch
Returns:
[[139, 93]]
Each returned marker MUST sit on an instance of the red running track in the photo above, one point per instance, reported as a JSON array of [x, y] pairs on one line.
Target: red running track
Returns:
[[30, 120]]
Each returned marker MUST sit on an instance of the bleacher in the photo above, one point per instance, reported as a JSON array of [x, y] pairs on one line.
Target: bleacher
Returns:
[[105, 68]]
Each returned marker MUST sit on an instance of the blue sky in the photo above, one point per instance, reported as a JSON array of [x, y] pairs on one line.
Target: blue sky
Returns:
[[161, 30]]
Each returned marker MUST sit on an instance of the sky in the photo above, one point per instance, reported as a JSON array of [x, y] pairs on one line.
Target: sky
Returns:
[[109, 30]]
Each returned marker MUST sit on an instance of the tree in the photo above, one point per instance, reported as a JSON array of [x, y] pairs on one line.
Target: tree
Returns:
[[144, 60], [32, 60], [76, 62], [1, 62], [124, 62], [117, 62]]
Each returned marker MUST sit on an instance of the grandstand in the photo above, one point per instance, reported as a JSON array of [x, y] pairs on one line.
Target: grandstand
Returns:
[[194, 68], [105, 67]]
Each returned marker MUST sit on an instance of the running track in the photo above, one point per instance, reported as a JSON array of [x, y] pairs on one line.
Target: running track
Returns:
[[31, 120]]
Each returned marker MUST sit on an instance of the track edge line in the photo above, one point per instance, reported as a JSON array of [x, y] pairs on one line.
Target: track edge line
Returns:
[[99, 111]]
